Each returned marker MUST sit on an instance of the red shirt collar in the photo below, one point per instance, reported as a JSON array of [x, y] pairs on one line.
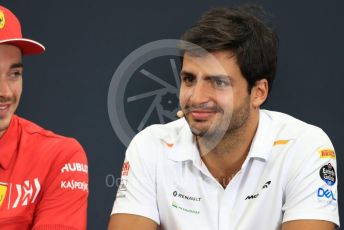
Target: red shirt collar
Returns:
[[9, 142]]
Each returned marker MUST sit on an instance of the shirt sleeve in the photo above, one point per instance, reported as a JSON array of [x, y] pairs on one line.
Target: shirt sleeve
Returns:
[[63, 202], [311, 189], [136, 193]]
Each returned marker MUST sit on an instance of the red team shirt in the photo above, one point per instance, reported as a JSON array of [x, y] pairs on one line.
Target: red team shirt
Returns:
[[43, 179]]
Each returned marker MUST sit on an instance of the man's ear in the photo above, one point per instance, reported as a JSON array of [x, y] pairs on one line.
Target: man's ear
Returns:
[[259, 93]]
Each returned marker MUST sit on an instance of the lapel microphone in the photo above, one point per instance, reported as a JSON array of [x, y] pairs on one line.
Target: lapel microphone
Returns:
[[180, 114]]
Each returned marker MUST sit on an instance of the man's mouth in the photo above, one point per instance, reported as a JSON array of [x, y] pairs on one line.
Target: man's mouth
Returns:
[[201, 114], [4, 107]]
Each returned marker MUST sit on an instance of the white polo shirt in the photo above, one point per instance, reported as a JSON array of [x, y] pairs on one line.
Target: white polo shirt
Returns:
[[289, 174]]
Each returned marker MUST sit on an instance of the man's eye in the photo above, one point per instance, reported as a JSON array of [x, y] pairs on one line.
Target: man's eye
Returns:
[[220, 82], [188, 79], [15, 74]]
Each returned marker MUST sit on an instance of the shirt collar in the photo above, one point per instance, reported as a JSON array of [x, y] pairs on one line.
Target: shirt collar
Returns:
[[184, 144], [9, 143], [264, 138], [185, 147]]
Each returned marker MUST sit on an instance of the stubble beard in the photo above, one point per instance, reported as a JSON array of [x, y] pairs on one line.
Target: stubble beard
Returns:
[[228, 127]]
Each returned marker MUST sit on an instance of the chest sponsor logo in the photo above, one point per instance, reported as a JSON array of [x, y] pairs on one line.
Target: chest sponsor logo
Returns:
[[3, 190], [74, 167], [19, 194], [74, 185], [185, 197], [27, 192], [266, 185], [254, 196], [327, 153], [328, 174], [184, 209], [186, 203]]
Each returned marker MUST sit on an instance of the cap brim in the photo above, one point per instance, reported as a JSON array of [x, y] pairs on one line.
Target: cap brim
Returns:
[[27, 46]]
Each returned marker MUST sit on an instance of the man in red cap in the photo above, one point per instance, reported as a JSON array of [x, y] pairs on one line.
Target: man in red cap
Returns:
[[43, 176]]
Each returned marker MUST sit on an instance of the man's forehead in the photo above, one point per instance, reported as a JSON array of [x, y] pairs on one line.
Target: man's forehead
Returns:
[[212, 63], [9, 47], [194, 54], [10, 56], [4, 46]]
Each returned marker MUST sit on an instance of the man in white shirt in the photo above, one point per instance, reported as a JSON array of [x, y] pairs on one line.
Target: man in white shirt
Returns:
[[228, 164]]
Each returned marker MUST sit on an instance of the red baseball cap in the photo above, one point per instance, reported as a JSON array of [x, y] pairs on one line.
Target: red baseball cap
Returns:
[[10, 33]]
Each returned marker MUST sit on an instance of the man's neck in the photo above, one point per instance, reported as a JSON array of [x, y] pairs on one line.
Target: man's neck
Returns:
[[227, 157]]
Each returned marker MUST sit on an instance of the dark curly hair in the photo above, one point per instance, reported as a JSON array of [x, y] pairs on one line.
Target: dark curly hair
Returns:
[[242, 31]]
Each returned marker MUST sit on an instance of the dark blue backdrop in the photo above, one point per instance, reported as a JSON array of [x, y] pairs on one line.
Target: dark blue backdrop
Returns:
[[66, 89]]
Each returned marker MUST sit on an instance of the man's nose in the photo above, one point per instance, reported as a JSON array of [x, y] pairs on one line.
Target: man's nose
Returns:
[[200, 93], [5, 91]]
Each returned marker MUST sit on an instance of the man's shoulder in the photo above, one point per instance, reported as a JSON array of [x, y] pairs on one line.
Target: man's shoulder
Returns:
[[163, 132], [289, 127], [37, 135]]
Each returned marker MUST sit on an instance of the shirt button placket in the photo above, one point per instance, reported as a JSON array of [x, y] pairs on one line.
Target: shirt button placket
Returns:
[[226, 205]]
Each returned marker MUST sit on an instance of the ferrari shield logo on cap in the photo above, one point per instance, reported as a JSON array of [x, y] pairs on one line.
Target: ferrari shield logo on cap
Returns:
[[2, 20]]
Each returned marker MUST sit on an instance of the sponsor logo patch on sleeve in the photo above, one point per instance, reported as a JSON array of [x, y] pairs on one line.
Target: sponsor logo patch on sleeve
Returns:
[[74, 185], [125, 168], [75, 167], [325, 194], [327, 153], [328, 174]]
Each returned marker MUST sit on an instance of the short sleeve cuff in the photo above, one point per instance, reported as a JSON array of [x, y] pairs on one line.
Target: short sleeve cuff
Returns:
[[311, 215], [141, 211]]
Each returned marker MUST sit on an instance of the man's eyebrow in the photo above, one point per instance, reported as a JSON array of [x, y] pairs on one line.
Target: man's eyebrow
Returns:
[[219, 76], [215, 76], [17, 65], [183, 72]]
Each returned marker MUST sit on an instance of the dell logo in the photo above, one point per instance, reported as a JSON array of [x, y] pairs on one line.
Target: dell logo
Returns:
[[326, 193]]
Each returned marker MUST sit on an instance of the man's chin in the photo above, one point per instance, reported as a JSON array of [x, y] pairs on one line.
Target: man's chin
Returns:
[[203, 131], [198, 133], [4, 123], [198, 128]]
